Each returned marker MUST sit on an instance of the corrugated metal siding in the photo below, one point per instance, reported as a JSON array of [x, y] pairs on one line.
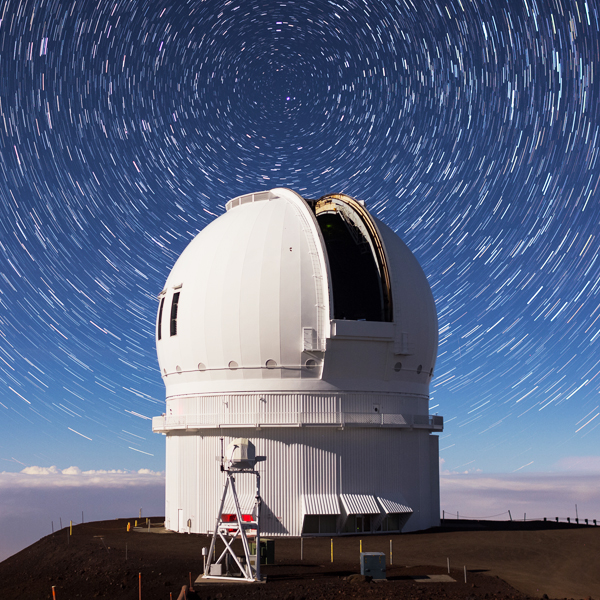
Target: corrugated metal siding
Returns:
[[172, 481], [304, 462], [434, 470], [382, 462], [246, 501], [424, 482], [281, 481]]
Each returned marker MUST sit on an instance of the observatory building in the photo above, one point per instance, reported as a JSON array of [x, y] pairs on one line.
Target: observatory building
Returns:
[[308, 327]]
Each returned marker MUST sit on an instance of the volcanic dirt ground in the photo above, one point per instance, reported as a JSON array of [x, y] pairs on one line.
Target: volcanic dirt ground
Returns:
[[502, 560]]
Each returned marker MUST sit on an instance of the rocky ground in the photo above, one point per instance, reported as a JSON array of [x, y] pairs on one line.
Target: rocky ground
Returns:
[[103, 560]]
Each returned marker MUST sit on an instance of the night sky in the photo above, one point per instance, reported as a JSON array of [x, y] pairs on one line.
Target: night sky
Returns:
[[470, 127]]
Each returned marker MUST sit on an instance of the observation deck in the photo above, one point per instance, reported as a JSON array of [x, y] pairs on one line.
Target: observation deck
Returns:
[[258, 420]]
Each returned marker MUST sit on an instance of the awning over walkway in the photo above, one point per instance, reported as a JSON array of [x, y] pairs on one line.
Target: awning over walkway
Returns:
[[320, 504], [394, 506], [360, 504]]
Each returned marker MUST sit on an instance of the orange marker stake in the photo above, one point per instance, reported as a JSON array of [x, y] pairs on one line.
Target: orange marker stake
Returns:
[[53, 592], [140, 579]]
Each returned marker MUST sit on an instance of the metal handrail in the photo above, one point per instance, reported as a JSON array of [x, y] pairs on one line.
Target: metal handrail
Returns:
[[297, 419]]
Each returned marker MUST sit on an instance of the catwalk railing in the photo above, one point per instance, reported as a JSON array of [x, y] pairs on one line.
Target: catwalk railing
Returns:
[[296, 419]]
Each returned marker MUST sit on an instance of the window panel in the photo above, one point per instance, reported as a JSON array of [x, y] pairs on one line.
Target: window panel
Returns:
[[174, 306], [160, 312]]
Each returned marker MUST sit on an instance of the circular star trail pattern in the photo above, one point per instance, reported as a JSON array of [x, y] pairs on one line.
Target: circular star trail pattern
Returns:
[[470, 127]]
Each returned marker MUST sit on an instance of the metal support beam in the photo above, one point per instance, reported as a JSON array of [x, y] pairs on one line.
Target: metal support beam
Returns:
[[229, 531]]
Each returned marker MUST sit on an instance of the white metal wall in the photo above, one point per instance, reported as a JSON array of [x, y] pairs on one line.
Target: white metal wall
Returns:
[[391, 463]]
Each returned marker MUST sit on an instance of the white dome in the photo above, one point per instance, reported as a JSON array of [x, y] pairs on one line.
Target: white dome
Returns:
[[281, 293], [310, 327]]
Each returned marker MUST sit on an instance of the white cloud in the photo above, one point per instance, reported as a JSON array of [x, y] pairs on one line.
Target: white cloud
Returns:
[[72, 471], [38, 471], [35, 500], [42, 477]]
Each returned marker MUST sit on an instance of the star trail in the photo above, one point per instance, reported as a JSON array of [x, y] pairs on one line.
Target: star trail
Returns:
[[470, 127]]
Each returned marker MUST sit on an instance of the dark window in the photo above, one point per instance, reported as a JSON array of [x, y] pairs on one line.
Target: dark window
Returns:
[[174, 305], [311, 524], [356, 283], [319, 524], [358, 524], [327, 524], [160, 311], [392, 522]]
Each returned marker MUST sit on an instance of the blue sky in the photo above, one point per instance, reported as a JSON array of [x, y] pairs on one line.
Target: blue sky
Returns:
[[471, 128]]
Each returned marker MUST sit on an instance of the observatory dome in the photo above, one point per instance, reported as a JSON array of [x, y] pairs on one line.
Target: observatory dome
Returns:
[[308, 326], [283, 293]]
